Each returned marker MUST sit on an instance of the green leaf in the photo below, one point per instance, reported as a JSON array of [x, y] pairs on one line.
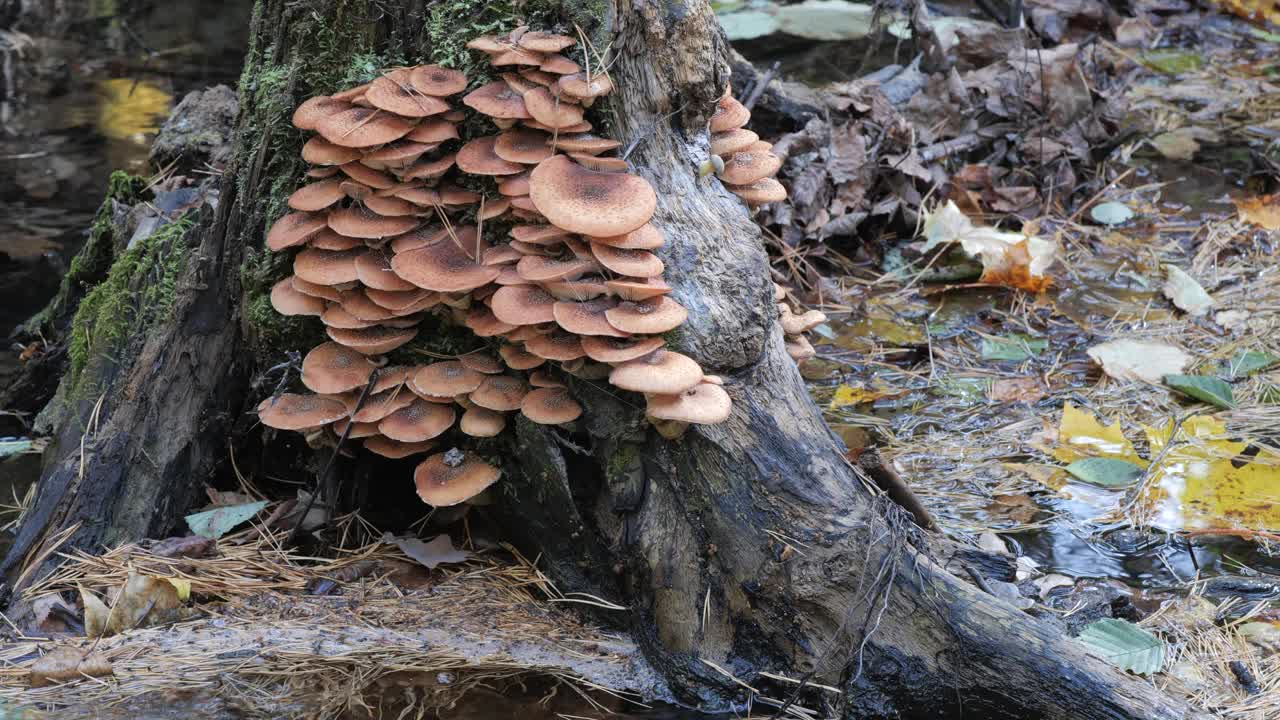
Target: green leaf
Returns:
[[1014, 347], [1173, 62], [1248, 362], [213, 524], [1124, 645], [1105, 472], [1111, 213], [1212, 390]]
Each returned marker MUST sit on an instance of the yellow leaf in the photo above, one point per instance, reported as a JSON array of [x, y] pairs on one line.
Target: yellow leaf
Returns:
[[96, 613], [1263, 211], [850, 395], [1080, 435], [183, 586]]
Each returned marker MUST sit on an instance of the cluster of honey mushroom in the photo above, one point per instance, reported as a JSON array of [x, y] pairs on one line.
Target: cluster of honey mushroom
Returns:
[[795, 326], [576, 282], [743, 162]]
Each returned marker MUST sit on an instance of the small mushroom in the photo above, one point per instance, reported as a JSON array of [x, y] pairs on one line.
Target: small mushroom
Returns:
[[331, 368], [703, 404], [550, 406], [661, 372], [453, 477], [290, 411]]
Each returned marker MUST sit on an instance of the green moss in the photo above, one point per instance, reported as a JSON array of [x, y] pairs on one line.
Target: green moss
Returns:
[[138, 290], [623, 460]]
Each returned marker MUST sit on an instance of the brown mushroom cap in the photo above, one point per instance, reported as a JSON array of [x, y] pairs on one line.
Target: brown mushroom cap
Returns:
[[361, 306], [312, 110], [366, 175], [538, 269], [744, 168], [437, 81], [417, 421], [546, 42], [481, 363], [619, 350], [522, 305], [580, 290], [336, 316], [489, 44], [587, 318], [661, 372], [579, 86], [550, 406], [703, 404], [390, 207], [358, 429], [351, 94], [583, 143], [600, 163], [291, 411], [522, 145], [394, 92], [362, 127], [764, 190], [589, 202], [552, 110], [632, 263], [647, 317], [516, 56], [497, 100], [479, 157], [630, 289], [799, 348], [294, 229], [429, 168], [376, 340], [729, 114], [502, 393], [445, 379], [559, 346], [286, 300], [558, 64], [420, 238], [373, 269], [316, 196], [446, 266], [732, 141], [400, 154], [539, 234], [481, 321], [319, 151], [378, 406], [514, 185], [329, 240], [325, 292], [453, 477], [433, 130], [645, 237], [394, 449], [331, 368], [543, 379], [401, 301], [363, 223], [327, 267], [581, 127], [519, 359], [320, 173], [796, 324], [482, 422]]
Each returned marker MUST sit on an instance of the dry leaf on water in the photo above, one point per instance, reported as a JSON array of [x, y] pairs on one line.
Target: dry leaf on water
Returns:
[[1139, 360], [67, 663], [1023, 389], [1185, 292], [1263, 211], [1011, 259]]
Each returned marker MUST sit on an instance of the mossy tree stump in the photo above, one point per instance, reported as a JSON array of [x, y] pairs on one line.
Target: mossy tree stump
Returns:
[[747, 546]]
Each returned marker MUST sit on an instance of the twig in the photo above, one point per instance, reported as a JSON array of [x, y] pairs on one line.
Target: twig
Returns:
[[942, 149], [761, 84]]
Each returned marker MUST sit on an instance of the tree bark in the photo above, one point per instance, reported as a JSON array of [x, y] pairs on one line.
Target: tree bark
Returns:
[[743, 547]]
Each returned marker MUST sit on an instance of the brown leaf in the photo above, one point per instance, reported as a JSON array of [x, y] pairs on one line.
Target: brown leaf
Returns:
[[437, 551], [1013, 269], [68, 663], [143, 601], [96, 614], [189, 546], [1263, 211], [1023, 389]]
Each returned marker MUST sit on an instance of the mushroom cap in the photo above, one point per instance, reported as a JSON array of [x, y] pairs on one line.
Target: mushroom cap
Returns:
[[324, 292], [502, 393], [535, 268], [327, 267], [481, 321], [600, 163], [479, 157], [316, 196], [482, 422], [493, 209], [355, 190], [390, 207], [558, 64], [661, 372], [399, 154], [319, 173], [580, 290], [645, 237], [290, 411], [378, 406], [579, 86], [550, 406], [796, 324], [394, 449], [631, 289], [543, 379], [583, 143], [516, 56], [632, 263], [445, 266], [619, 350], [366, 175], [287, 300], [358, 429], [552, 110], [729, 114], [400, 301], [361, 306], [376, 340], [539, 76], [514, 185], [394, 92], [453, 477], [420, 238], [294, 229], [395, 376], [417, 421], [311, 111], [518, 358], [481, 363], [703, 404], [519, 83], [445, 379], [589, 202], [581, 127], [429, 168], [319, 151], [362, 223], [799, 348], [539, 41], [559, 346], [329, 240], [331, 368], [336, 316], [647, 317], [539, 234], [764, 190], [373, 269], [497, 100], [732, 141], [361, 127], [523, 145], [522, 305], [744, 168], [433, 130], [587, 318], [437, 81], [489, 44], [351, 94]]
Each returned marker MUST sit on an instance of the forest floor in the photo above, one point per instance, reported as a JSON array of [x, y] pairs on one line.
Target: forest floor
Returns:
[[1107, 423]]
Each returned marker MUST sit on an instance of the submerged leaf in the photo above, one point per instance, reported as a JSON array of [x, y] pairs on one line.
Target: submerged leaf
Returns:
[[1105, 472], [1248, 362], [1203, 387], [1014, 347], [1111, 213], [1263, 211], [1124, 645], [1185, 292], [1139, 360], [213, 524], [1080, 435]]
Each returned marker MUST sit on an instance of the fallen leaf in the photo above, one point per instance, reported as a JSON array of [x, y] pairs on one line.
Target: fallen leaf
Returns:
[[1023, 389], [1185, 292], [143, 601], [1047, 583], [1172, 61], [1051, 476], [187, 546], [1111, 213], [1263, 211], [1137, 360], [1080, 435], [1019, 508], [1203, 387], [1013, 347], [847, 395], [1124, 645], [439, 550], [1249, 362], [213, 524], [46, 620], [1176, 145], [96, 614], [1257, 11], [1011, 259], [67, 663], [991, 542], [1105, 472], [1265, 635]]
